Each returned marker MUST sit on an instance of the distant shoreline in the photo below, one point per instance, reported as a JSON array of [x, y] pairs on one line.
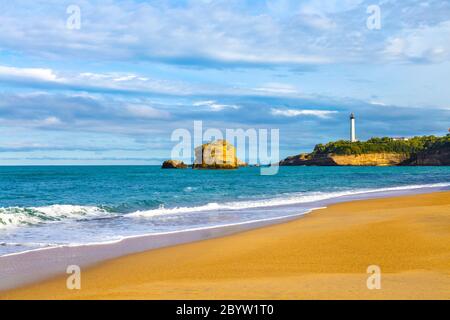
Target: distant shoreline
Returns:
[[416, 151]]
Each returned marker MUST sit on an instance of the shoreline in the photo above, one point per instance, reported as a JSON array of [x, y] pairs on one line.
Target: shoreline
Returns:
[[307, 206], [28, 267], [20, 268], [51, 262]]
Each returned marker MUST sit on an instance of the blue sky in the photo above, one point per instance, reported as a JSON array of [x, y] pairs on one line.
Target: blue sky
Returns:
[[113, 91]]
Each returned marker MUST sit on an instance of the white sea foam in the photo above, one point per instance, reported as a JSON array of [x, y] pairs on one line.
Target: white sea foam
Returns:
[[290, 199], [17, 216], [28, 244]]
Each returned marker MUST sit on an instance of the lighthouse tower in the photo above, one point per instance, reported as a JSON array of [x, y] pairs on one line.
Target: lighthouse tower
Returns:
[[352, 128]]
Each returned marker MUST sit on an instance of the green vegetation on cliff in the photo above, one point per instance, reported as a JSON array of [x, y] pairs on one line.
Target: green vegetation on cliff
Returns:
[[383, 145]]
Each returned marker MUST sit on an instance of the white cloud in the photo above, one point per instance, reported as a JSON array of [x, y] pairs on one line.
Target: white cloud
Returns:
[[214, 32], [214, 106], [269, 58], [425, 43], [91, 80], [317, 21], [378, 103], [295, 113], [31, 73], [50, 121], [329, 6], [146, 112], [221, 33], [277, 88]]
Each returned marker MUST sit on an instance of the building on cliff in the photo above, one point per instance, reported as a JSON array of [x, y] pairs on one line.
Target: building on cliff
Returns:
[[400, 139]]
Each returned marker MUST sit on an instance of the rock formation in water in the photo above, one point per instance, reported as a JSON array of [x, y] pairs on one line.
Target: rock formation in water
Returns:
[[242, 164], [174, 164], [217, 154]]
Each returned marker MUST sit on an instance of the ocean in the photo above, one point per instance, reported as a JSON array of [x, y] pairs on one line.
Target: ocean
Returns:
[[44, 206]]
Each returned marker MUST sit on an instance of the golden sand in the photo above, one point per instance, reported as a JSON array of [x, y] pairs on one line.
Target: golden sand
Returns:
[[324, 255]]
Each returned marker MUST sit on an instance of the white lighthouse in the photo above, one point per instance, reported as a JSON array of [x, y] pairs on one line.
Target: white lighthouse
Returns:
[[352, 128]]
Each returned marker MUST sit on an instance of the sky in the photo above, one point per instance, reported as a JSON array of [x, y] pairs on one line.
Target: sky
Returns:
[[113, 90]]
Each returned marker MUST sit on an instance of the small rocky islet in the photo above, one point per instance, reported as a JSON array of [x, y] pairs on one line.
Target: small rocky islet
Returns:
[[218, 154]]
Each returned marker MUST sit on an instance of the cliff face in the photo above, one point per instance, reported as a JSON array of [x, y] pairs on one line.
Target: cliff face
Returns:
[[370, 159], [306, 159], [431, 158]]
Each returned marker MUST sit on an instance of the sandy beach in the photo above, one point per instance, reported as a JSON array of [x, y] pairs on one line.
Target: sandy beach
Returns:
[[323, 255]]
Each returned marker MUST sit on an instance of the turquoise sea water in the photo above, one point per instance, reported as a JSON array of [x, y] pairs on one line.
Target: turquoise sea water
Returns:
[[45, 206]]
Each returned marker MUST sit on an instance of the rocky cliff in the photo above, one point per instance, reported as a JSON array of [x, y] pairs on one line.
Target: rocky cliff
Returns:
[[385, 151], [370, 159], [439, 157]]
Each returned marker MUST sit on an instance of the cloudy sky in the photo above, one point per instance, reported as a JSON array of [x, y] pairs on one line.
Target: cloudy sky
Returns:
[[112, 91]]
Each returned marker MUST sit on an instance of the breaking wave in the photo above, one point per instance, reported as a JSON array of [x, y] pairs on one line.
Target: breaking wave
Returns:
[[277, 201], [18, 216]]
